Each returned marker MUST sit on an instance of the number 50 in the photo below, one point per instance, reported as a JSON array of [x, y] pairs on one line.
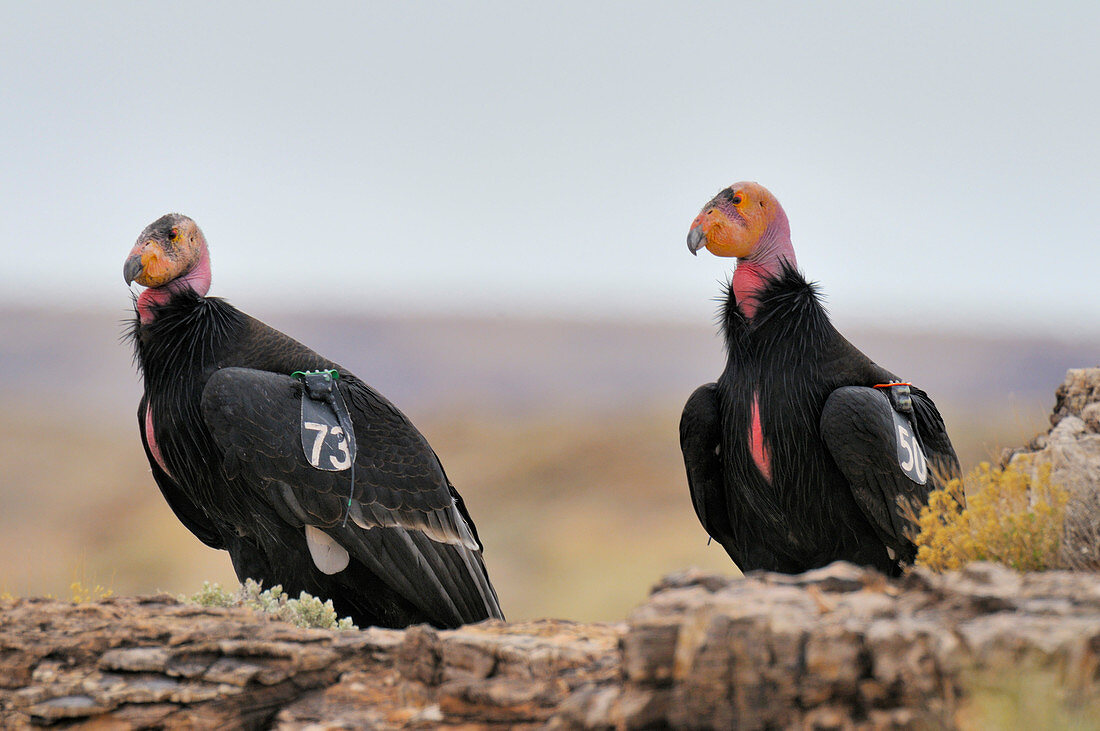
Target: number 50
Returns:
[[914, 462]]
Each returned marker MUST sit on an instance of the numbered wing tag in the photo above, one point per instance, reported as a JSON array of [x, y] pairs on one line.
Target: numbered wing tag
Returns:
[[328, 437], [910, 456]]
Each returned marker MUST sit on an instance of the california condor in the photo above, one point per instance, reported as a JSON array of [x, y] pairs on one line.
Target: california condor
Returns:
[[366, 518], [804, 451]]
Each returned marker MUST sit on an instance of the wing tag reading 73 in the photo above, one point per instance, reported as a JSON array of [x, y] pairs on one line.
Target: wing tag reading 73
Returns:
[[326, 441], [910, 455]]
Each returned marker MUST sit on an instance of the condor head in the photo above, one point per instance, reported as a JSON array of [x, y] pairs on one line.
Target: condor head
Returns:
[[734, 221], [169, 248]]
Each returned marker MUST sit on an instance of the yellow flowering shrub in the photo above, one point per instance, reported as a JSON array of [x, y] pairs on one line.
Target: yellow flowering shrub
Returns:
[[1008, 517]]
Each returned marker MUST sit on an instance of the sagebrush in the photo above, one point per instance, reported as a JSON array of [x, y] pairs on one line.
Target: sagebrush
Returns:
[[305, 611], [994, 514]]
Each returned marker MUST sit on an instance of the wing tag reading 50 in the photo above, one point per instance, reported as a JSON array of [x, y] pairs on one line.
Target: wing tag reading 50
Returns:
[[910, 456], [327, 440]]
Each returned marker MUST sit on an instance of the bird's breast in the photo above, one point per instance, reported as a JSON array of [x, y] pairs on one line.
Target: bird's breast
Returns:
[[758, 448]]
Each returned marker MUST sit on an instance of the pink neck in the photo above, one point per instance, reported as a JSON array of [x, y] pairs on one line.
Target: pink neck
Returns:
[[765, 261], [197, 279]]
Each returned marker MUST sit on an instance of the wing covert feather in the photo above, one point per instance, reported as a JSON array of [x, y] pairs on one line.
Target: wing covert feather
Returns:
[[405, 525], [858, 428], [254, 417]]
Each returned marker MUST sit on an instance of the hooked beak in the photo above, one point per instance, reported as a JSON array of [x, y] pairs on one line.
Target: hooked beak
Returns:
[[697, 239], [132, 268]]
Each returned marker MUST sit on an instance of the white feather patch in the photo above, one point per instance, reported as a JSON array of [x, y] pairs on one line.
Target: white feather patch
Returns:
[[433, 529], [328, 555]]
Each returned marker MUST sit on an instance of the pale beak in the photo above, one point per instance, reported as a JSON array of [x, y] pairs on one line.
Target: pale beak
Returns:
[[132, 268], [697, 239]]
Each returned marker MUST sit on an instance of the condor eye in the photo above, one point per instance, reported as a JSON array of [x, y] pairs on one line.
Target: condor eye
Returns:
[[736, 199], [175, 234]]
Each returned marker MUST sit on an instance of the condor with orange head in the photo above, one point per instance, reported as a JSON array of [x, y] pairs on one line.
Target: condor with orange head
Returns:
[[803, 451]]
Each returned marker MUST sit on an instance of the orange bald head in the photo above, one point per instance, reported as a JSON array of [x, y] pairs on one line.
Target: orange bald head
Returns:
[[735, 221], [168, 248]]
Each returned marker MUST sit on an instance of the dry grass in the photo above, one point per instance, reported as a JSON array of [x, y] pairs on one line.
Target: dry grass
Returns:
[[580, 512], [80, 507], [580, 517], [1031, 695], [1081, 547]]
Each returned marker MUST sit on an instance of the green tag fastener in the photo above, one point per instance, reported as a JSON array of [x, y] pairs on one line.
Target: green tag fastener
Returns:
[[333, 373]]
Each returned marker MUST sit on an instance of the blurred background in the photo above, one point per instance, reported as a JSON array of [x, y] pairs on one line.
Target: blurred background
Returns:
[[481, 209]]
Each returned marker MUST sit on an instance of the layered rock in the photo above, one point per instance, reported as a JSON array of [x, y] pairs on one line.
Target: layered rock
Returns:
[[153, 662], [841, 647]]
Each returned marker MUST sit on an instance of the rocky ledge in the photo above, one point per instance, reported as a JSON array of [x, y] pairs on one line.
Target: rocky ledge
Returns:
[[1071, 449], [841, 647]]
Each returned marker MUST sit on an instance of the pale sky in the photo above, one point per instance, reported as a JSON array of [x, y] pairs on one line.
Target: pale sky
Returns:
[[939, 162]]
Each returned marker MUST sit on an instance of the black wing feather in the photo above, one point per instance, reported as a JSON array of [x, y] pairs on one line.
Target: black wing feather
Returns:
[[404, 524], [932, 433], [191, 515], [858, 429], [700, 437]]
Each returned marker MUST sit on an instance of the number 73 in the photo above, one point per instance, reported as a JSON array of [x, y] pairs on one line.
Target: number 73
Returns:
[[319, 441]]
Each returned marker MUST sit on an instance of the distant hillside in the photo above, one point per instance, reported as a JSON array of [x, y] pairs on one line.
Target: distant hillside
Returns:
[[508, 365]]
